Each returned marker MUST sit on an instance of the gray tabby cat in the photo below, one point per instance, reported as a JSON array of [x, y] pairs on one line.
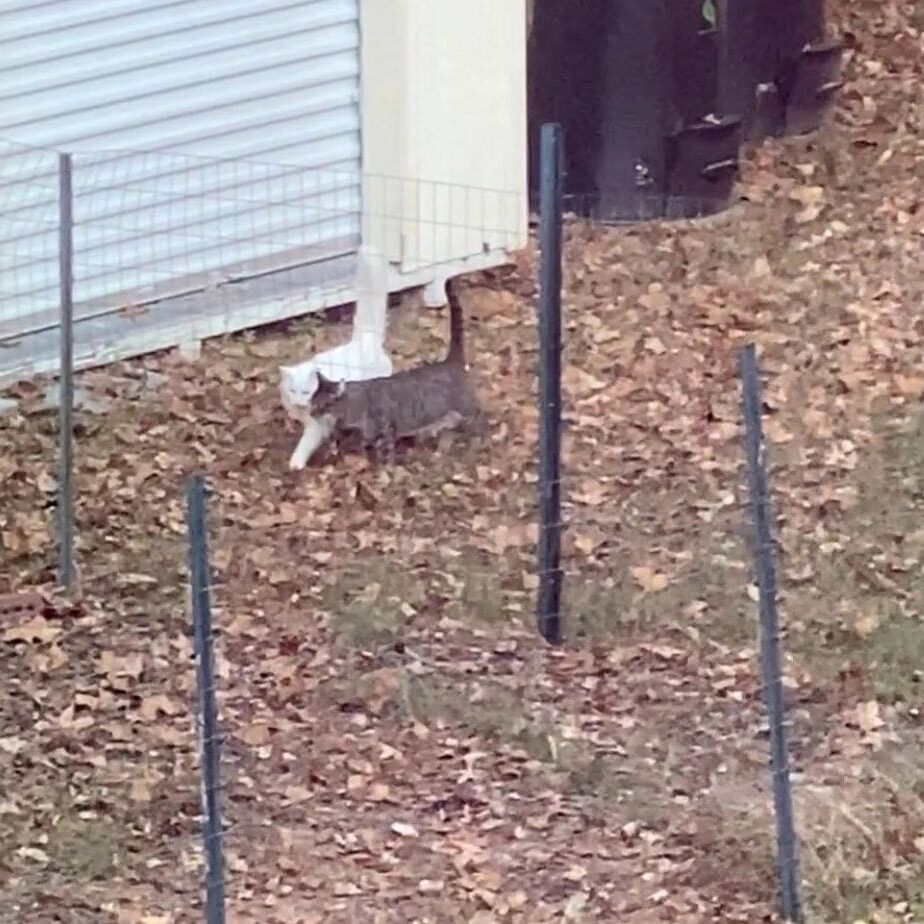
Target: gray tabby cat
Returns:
[[412, 403]]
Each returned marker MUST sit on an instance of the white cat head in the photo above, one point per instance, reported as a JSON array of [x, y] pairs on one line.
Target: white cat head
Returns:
[[297, 385]]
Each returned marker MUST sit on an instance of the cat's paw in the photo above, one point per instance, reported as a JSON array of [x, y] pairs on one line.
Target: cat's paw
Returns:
[[296, 464]]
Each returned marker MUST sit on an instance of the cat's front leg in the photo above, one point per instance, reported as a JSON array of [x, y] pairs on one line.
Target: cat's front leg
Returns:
[[315, 433]]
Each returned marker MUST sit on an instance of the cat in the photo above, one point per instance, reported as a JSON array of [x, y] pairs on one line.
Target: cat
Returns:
[[414, 402], [359, 358], [364, 356]]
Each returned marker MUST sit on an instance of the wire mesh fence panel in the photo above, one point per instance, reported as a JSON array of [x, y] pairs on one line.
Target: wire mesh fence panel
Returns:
[[172, 248], [29, 193]]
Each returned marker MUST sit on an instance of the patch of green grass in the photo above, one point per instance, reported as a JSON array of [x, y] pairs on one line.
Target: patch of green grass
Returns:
[[889, 654], [863, 603], [85, 848], [632, 779], [377, 597], [479, 591], [633, 782], [894, 654], [479, 708], [859, 859], [372, 601], [367, 625], [485, 709], [705, 594]]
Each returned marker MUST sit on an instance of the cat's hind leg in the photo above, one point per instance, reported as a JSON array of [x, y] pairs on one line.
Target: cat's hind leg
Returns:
[[382, 449], [478, 423]]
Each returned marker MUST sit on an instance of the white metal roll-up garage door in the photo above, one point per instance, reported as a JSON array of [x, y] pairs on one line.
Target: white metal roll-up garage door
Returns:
[[205, 134]]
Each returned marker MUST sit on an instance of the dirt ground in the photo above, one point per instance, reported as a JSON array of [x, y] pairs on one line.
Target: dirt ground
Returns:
[[399, 744]]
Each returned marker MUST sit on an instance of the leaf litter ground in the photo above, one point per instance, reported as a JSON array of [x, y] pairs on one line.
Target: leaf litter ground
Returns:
[[399, 745]]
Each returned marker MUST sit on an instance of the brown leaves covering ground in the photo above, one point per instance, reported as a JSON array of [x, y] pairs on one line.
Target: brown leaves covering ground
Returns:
[[399, 745]]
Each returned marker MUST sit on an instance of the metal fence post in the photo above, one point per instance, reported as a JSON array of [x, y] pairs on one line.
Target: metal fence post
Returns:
[[787, 849], [548, 615], [66, 372], [209, 740]]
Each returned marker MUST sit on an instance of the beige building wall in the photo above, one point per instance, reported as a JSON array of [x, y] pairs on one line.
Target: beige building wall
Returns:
[[444, 130]]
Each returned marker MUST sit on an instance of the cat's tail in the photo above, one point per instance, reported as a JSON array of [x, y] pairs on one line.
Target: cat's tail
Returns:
[[456, 322]]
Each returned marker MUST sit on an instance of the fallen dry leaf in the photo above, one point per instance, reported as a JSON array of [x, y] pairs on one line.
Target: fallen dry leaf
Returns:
[[649, 579], [37, 629], [866, 625], [868, 716], [256, 734]]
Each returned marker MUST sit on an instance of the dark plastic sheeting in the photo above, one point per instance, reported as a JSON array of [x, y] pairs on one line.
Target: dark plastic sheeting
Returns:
[[631, 83], [763, 57]]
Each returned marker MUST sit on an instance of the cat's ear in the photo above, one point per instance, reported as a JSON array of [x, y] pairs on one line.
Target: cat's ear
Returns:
[[330, 387]]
